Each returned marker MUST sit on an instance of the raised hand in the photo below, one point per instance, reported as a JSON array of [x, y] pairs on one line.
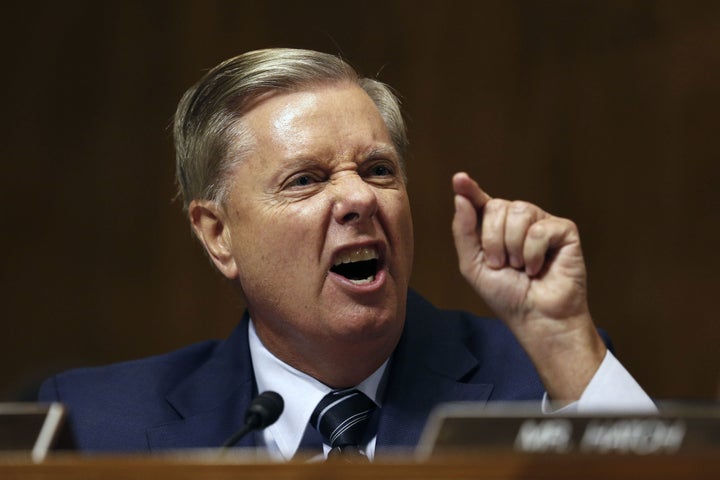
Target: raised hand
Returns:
[[528, 267]]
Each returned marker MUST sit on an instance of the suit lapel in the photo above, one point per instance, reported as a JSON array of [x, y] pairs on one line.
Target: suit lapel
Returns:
[[430, 366], [211, 402]]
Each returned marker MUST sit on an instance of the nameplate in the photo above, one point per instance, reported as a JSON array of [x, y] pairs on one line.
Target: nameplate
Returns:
[[522, 429]]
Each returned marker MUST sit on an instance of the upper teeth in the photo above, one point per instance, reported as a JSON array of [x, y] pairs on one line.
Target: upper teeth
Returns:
[[356, 255]]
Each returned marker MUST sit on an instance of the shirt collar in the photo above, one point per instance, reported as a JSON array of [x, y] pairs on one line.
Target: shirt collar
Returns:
[[300, 392]]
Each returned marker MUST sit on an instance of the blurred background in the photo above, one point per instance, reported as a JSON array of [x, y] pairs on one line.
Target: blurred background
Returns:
[[599, 111]]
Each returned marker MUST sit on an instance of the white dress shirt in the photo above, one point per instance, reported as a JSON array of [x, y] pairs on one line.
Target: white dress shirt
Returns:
[[612, 388], [301, 393]]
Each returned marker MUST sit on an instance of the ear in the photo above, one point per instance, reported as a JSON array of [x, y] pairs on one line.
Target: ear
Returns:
[[208, 222]]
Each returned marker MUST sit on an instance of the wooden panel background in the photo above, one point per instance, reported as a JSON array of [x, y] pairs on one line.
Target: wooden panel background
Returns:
[[601, 111]]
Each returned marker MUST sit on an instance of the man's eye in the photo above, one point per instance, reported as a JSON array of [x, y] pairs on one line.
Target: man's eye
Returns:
[[381, 170], [301, 181]]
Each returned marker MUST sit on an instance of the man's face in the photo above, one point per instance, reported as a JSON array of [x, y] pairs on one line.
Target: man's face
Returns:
[[319, 223]]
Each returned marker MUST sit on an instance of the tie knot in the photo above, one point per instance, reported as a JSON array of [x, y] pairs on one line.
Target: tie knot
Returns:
[[342, 417]]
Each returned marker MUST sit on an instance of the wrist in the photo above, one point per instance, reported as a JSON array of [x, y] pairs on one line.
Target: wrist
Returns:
[[566, 359]]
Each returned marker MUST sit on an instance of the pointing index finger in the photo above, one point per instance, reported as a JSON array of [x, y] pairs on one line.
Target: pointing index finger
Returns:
[[468, 188]]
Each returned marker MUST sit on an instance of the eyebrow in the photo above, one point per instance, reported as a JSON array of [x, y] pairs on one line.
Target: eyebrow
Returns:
[[382, 151], [299, 162], [373, 151]]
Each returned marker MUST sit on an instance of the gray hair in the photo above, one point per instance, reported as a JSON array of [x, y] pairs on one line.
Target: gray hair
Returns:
[[207, 142]]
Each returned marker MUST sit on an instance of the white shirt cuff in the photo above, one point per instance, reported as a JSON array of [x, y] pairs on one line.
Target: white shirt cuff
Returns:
[[611, 390]]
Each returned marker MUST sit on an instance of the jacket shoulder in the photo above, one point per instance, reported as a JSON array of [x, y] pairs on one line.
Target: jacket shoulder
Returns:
[[116, 402], [149, 374]]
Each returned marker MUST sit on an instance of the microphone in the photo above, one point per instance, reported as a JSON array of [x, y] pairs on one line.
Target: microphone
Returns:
[[263, 411]]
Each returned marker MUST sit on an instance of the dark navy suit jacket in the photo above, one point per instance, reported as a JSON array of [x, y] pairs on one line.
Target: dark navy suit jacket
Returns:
[[196, 397]]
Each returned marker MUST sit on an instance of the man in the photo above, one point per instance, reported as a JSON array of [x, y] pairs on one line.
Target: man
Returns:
[[292, 173]]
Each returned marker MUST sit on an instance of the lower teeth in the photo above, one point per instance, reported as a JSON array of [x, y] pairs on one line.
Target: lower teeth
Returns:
[[363, 281]]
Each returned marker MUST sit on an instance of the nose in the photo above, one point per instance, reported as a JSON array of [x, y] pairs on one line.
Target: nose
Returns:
[[354, 199]]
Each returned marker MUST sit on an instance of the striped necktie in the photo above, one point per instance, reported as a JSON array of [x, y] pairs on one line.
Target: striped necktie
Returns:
[[342, 417]]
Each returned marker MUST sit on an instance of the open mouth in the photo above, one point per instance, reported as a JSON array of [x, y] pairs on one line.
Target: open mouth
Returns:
[[359, 265]]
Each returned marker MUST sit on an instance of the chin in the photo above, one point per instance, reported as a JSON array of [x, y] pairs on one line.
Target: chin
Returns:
[[368, 322]]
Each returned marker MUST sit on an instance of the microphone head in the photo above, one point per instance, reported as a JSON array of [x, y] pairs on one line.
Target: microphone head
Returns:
[[264, 410]]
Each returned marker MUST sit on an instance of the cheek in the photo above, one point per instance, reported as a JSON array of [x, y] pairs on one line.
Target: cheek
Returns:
[[401, 217], [408, 241], [282, 237], [399, 226]]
